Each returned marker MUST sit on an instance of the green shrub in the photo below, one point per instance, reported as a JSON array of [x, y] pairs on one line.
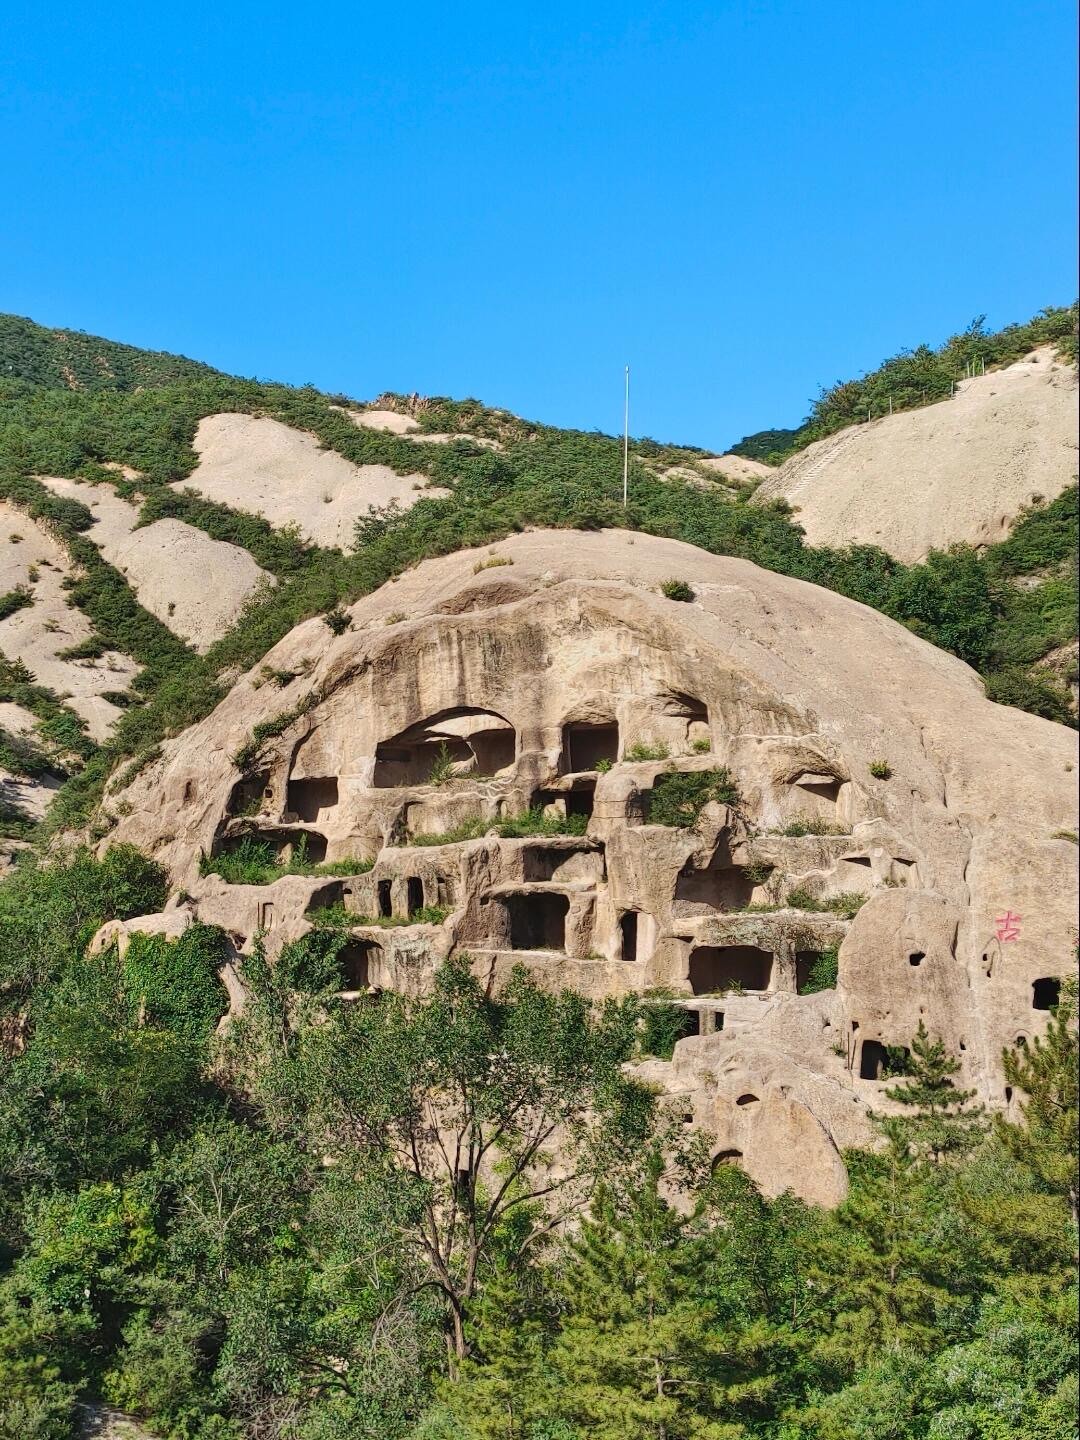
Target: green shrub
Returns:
[[15, 600], [802, 825], [823, 972], [511, 827], [337, 620], [663, 1025], [641, 751], [880, 769], [679, 797], [174, 984], [677, 590], [254, 861]]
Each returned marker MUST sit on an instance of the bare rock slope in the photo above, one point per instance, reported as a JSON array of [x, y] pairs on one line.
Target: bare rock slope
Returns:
[[960, 470], [560, 680]]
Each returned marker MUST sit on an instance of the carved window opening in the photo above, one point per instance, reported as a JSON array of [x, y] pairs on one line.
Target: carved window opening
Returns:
[[358, 963], [1045, 993], [628, 931], [248, 794], [916, 957], [719, 887], [715, 968], [873, 1060], [454, 743], [805, 960], [586, 746], [384, 892], [748, 1099], [309, 800], [414, 889], [726, 1157], [537, 922]]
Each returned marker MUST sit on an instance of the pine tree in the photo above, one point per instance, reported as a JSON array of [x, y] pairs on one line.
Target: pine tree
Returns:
[[943, 1123], [1047, 1072]]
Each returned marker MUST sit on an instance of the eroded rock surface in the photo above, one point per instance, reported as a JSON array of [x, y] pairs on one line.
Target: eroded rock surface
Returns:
[[469, 692]]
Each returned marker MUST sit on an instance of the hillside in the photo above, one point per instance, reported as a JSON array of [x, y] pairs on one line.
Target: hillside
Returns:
[[443, 907], [956, 472], [154, 471]]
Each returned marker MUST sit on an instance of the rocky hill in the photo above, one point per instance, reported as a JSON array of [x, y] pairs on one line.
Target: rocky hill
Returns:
[[434, 888], [483, 762], [956, 472]]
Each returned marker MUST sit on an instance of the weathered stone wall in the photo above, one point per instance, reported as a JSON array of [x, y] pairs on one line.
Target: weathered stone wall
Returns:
[[504, 689]]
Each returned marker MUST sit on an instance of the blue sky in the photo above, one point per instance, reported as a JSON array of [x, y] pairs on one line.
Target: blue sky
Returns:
[[744, 200]]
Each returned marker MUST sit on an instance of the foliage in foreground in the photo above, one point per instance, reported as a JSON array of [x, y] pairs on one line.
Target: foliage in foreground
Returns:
[[342, 1220]]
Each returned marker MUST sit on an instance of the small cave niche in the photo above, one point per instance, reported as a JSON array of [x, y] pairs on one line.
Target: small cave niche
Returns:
[[579, 801], [537, 921], [748, 1099], [822, 784], [805, 960], [715, 968], [472, 742], [326, 896], [309, 800], [552, 862], [384, 898], [719, 887], [414, 891], [444, 891], [878, 1061], [248, 794], [587, 745], [1045, 993], [916, 958], [628, 936], [726, 1157], [358, 962]]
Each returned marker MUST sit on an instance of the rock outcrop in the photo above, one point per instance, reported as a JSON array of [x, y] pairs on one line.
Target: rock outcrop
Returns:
[[548, 674], [960, 470]]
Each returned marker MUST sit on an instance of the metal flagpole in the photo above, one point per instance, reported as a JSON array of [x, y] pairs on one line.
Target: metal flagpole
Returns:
[[626, 438]]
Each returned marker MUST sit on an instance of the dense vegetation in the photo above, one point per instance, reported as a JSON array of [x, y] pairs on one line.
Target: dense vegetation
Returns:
[[916, 377], [337, 1220], [966, 602]]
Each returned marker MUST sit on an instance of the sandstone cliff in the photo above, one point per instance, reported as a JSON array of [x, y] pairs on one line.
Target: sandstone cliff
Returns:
[[549, 673]]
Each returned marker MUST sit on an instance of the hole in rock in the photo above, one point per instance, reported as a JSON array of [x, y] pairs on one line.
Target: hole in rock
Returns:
[[358, 962], [585, 746], [386, 906], [325, 896], [805, 960], [308, 799], [1020, 1042], [719, 967], [747, 1099], [726, 1157], [471, 741], [916, 957], [1008, 1093], [818, 783], [580, 800], [1045, 993], [414, 887], [720, 887], [537, 922], [248, 794], [628, 930], [444, 889], [879, 1061]]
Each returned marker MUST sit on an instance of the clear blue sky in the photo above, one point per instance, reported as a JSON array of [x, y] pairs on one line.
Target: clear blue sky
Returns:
[[509, 200]]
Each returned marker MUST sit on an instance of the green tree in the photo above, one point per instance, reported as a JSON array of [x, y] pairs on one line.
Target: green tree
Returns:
[[942, 1122]]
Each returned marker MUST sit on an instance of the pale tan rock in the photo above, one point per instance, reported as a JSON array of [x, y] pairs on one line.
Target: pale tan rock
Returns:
[[537, 678], [738, 467], [256, 464], [39, 632], [195, 585], [960, 470]]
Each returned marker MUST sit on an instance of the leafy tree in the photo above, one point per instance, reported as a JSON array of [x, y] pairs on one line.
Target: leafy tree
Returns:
[[459, 1100]]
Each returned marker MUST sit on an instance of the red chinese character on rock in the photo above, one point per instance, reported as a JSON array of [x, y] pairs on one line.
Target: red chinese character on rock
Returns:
[[1007, 927]]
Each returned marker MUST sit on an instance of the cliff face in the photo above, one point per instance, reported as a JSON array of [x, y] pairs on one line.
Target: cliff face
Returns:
[[528, 677]]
